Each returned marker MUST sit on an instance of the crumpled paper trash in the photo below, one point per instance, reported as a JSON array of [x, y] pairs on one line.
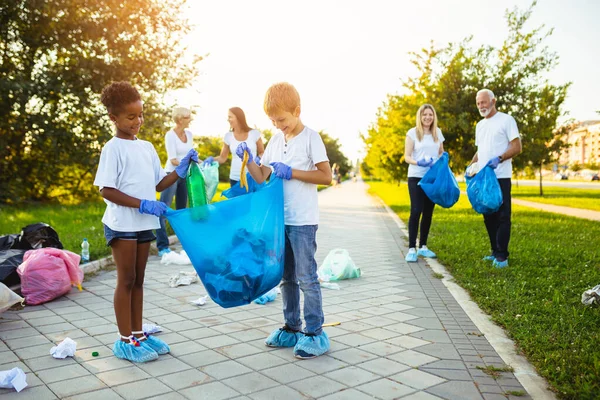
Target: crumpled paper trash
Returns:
[[14, 378], [200, 301], [174, 258], [65, 349], [151, 328], [184, 278], [591, 296]]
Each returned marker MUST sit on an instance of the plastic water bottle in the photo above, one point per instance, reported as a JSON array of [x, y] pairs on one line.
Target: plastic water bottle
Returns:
[[85, 251]]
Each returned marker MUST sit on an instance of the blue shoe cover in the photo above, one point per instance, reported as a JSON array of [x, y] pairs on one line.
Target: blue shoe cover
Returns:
[[411, 256], [489, 258], [311, 346], [163, 252], [156, 344], [128, 351], [425, 252], [283, 337], [500, 264]]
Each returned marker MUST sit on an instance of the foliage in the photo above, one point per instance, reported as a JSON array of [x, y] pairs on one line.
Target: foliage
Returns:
[[55, 58]]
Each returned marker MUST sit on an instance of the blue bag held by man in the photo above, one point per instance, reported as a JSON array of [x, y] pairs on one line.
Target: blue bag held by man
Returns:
[[439, 183], [483, 191], [237, 247]]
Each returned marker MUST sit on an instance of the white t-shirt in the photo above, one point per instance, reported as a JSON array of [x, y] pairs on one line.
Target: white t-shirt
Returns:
[[176, 148], [492, 136], [303, 152], [232, 142], [426, 149], [132, 167]]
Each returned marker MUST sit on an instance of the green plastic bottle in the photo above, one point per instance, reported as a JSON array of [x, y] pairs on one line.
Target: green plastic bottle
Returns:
[[196, 191]]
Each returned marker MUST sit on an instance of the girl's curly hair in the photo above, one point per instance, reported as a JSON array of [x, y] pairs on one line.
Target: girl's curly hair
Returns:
[[118, 94]]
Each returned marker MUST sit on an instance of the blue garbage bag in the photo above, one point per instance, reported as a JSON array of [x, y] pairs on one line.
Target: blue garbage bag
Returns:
[[237, 246], [483, 191], [439, 183], [238, 190]]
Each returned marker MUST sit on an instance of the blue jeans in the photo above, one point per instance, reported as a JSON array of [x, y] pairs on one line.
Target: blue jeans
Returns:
[[300, 273], [179, 190]]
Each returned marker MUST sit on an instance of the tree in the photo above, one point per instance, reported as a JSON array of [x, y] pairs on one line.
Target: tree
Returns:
[[55, 59], [334, 152]]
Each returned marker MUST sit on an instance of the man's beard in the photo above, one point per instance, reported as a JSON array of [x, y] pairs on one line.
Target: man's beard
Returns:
[[485, 112]]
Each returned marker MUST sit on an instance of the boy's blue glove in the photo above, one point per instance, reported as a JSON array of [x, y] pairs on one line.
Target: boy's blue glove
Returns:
[[425, 163], [493, 163], [282, 170], [208, 162], [243, 147], [153, 207], [184, 164]]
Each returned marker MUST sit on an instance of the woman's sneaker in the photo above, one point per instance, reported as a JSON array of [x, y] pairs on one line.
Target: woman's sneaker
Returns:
[[425, 252], [411, 256], [283, 337]]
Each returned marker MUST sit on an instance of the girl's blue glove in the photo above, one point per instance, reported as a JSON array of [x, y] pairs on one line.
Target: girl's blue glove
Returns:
[[425, 163], [153, 207], [184, 164]]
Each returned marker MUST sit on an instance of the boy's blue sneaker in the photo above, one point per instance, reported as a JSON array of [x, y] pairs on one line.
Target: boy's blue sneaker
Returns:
[[283, 337], [500, 264], [163, 252], [133, 351], [156, 344], [311, 346], [489, 258], [425, 252], [411, 256]]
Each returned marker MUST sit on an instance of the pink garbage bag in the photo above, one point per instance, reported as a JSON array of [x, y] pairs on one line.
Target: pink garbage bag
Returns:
[[48, 273]]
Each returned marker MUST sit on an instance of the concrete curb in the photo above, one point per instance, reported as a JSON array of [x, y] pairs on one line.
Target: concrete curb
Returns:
[[526, 374]]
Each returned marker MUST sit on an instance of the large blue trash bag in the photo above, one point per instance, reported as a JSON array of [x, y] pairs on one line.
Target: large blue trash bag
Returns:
[[439, 183], [483, 191], [237, 190], [237, 247]]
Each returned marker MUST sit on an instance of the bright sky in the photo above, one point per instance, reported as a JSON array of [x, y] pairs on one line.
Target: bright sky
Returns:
[[345, 56]]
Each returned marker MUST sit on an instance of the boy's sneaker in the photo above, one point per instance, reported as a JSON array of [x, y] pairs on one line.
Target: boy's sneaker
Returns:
[[500, 264], [489, 258], [163, 252], [133, 351], [425, 252], [311, 346], [411, 256], [283, 337]]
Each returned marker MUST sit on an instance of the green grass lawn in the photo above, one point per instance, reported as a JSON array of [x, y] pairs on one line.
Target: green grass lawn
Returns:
[[537, 299], [72, 222], [588, 199]]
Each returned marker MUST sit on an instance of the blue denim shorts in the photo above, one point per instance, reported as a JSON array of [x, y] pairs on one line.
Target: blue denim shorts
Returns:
[[141, 236]]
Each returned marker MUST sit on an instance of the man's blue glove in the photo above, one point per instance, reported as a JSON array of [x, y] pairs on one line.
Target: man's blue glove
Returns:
[[184, 164], [208, 162], [153, 207], [282, 170], [243, 147], [494, 162], [425, 163]]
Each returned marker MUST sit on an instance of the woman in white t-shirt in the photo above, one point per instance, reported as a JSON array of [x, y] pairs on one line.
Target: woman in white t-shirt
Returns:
[[424, 145], [240, 132], [178, 142]]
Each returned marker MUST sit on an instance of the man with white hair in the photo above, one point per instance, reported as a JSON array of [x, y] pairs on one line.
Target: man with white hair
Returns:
[[498, 141]]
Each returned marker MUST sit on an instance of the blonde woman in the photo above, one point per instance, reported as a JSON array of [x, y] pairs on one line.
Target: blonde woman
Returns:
[[424, 145], [178, 142]]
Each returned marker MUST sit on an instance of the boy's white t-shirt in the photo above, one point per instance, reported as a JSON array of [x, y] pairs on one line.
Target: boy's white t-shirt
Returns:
[[426, 148], [132, 167], [176, 148], [303, 152], [492, 136], [232, 142]]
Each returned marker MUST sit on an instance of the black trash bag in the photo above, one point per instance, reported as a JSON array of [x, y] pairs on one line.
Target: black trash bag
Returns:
[[9, 261], [8, 241], [36, 236]]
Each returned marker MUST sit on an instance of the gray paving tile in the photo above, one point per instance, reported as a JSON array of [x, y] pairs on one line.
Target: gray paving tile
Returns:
[[417, 379], [62, 373], [385, 389], [185, 379], [142, 389], [104, 394], [71, 387], [250, 383], [287, 373], [225, 369], [124, 375], [212, 391], [352, 376], [456, 390], [317, 386]]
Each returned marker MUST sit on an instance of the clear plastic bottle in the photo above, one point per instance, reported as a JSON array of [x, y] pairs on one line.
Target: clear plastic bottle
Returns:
[[85, 251]]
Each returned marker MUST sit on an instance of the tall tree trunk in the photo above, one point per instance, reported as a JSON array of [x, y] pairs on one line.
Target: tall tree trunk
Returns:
[[541, 188]]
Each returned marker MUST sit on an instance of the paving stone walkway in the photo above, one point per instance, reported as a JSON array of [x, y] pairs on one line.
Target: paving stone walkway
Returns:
[[402, 334]]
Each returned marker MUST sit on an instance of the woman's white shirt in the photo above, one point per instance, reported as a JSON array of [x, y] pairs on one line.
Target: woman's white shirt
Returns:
[[232, 142], [426, 149], [176, 148]]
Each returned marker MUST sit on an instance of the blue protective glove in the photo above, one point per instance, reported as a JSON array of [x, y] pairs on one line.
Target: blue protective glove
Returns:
[[493, 163], [184, 164], [257, 160], [208, 162], [243, 147], [282, 170], [153, 207], [425, 163]]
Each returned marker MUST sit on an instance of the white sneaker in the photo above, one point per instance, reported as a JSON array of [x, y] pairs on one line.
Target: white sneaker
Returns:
[[411, 256]]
